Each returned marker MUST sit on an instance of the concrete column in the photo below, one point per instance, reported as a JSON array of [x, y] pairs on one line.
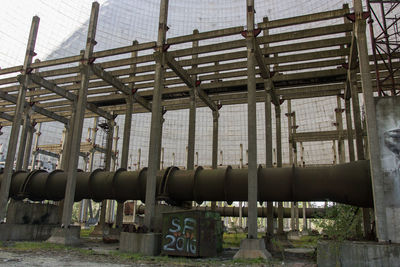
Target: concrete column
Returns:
[[107, 167], [252, 124], [28, 147], [295, 163], [22, 142], [12, 144], [154, 147], [214, 159], [78, 120], [339, 127], [349, 126], [125, 154], [289, 115], [386, 222], [35, 145], [192, 117], [279, 161]]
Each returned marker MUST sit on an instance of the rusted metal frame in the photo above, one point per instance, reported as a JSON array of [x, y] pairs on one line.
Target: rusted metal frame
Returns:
[[117, 83]]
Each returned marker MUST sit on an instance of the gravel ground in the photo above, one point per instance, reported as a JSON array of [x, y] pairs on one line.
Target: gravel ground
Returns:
[[99, 254]]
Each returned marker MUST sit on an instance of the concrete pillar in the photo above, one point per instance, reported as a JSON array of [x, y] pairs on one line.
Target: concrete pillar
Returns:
[[349, 126], [22, 142], [339, 127], [192, 117], [125, 151], [252, 124], [78, 121], [386, 221], [279, 161], [214, 159], [154, 147], [28, 146], [12, 144], [107, 167], [35, 145]]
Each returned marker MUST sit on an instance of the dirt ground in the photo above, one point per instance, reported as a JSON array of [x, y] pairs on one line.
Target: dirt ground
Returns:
[[95, 253]]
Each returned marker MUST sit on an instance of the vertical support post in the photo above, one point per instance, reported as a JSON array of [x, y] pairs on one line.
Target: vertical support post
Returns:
[[78, 120], [22, 142], [268, 142], [252, 124], [279, 161], [126, 139], [35, 145], [339, 127], [349, 126], [240, 202], [214, 159], [155, 131], [289, 115], [107, 167], [28, 146], [192, 118], [382, 227], [12, 144]]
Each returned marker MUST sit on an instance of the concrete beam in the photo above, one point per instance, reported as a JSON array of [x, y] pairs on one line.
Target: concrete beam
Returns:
[[115, 82]]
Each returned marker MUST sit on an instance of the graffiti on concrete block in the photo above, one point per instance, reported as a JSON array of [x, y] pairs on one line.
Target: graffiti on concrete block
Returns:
[[181, 236]]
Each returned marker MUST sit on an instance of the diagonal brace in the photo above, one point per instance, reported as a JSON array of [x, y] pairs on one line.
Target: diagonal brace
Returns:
[[6, 116], [189, 81], [37, 109], [117, 83], [352, 64], [265, 73], [64, 93]]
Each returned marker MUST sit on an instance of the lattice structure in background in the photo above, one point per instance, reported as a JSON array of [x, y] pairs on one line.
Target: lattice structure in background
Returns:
[[122, 21], [384, 26]]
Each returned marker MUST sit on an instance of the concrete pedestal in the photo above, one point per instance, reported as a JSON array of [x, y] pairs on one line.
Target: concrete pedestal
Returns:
[[66, 236], [25, 232], [351, 253], [148, 244], [252, 249]]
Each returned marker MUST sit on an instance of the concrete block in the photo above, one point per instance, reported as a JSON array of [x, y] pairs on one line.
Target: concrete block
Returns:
[[294, 235], [66, 236], [25, 232], [148, 244], [353, 253], [20, 212], [252, 249]]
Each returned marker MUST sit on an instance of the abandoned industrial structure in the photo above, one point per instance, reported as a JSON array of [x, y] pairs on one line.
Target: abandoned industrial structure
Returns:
[[265, 66]]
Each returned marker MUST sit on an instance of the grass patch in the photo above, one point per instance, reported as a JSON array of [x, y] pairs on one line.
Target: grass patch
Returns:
[[233, 240], [37, 246], [306, 242], [86, 232]]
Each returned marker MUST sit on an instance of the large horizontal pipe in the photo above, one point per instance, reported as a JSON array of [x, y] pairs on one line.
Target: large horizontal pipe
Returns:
[[348, 183], [234, 211]]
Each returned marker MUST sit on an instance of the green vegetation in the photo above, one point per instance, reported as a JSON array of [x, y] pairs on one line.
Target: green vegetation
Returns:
[[233, 240], [306, 242], [343, 222], [86, 232]]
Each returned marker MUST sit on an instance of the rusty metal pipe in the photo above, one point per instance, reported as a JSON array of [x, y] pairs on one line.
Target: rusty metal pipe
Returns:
[[348, 183]]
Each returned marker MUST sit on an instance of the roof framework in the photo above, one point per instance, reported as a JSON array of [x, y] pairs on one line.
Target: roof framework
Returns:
[[300, 64]]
